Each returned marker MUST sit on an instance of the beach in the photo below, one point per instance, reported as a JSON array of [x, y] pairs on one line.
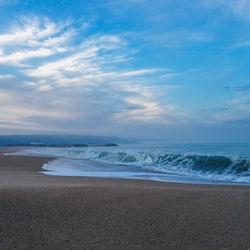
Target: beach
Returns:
[[58, 212]]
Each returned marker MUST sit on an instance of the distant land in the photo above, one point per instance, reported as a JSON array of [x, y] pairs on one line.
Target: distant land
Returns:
[[60, 140], [59, 145]]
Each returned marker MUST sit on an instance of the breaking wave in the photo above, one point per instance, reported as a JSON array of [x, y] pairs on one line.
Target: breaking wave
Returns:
[[213, 167], [191, 165]]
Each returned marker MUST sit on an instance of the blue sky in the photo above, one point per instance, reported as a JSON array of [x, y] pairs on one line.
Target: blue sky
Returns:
[[171, 70]]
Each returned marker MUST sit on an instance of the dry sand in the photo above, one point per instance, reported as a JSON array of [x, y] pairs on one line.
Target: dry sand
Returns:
[[48, 212]]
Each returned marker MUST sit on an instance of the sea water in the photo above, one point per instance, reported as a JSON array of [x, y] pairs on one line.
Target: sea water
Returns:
[[189, 163]]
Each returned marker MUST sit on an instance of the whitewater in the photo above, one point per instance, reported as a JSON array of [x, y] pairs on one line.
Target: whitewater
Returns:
[[187, 163]]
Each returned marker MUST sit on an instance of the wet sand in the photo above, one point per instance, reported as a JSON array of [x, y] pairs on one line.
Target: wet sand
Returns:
[[50, 212]]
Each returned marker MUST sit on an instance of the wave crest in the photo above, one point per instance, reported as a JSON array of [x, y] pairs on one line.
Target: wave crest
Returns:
[[170, 163]]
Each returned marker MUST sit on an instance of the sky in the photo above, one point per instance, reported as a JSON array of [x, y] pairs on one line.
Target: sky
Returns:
[[176, 71]]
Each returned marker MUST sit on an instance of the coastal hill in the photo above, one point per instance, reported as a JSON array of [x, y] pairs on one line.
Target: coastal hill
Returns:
[[60, 140]]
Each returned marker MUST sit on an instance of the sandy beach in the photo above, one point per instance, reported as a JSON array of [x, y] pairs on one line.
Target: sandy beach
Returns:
[[49, 212]]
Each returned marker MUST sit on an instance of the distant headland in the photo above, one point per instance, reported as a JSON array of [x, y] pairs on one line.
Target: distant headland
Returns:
[[61, 140], [60, 145]]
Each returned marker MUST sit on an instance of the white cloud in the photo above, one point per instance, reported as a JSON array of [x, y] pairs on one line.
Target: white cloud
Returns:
[[53, 41], [44, 88], [30, 84], [105, 42], [6, 77], [18, 57], [30, 31], [33, 38], [145, 104], [138, 72], [85, 65], [145, 111], [82, 62]]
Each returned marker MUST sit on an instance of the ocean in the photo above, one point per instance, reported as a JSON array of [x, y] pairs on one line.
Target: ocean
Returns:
[[187, 163]]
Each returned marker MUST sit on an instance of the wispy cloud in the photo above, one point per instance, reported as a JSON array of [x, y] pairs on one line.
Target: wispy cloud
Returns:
[[47, 60], [242, 43], [238, 88], [6, 77], [146, 111], [240, 8], [18, 57], [178, 38], [242, 103], [32, 38]]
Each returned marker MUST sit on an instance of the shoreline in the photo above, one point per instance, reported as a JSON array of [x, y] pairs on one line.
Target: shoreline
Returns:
[[58, 212]]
